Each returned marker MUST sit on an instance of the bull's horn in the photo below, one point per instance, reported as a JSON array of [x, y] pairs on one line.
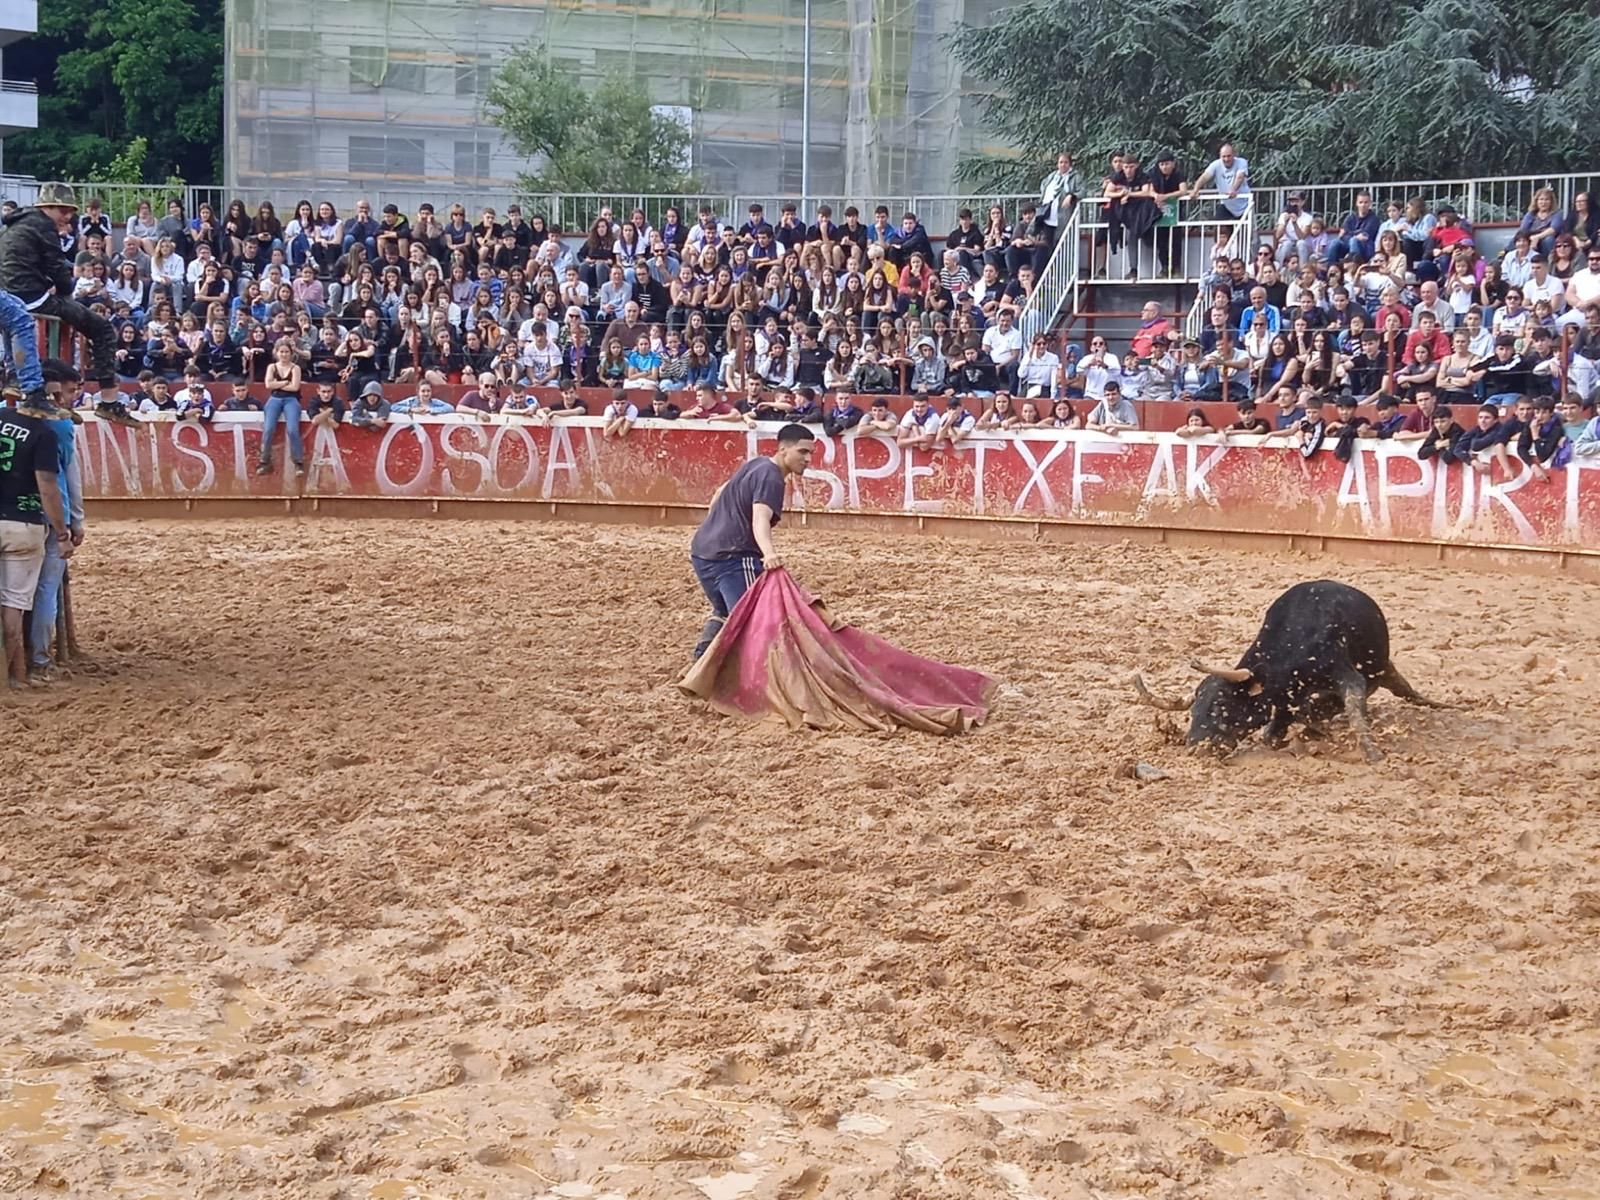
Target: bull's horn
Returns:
[[1231, 674], [1146, 696]]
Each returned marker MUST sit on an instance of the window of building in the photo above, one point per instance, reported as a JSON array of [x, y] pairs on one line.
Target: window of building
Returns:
[[374, 66], [286, 55], [472, 160], [287, 149], [380, 157], [472, 79]]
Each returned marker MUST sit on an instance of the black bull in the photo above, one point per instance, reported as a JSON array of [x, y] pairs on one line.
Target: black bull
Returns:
[[1322, 649]]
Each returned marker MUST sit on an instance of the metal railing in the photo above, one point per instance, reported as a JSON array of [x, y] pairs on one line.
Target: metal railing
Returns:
[[1487, 201], [1178, 252], [25, 87], [1055, 296]]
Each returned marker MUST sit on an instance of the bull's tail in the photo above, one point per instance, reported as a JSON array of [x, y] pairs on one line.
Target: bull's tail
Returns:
[[1396, 683]]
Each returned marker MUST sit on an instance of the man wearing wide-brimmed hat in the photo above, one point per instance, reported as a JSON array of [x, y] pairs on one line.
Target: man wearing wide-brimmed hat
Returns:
[[35, 271]]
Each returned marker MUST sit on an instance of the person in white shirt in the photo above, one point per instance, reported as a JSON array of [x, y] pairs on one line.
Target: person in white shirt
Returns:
[[539, 319], [1583, 289], [167, 266], [955, 425], [196, 270], [574, 291], [1542, 285], [919, 426], [1097, 368], [1039, 372], [541, 358], [1002, 342], [1294, 224], [1516, 268], [619, 415]]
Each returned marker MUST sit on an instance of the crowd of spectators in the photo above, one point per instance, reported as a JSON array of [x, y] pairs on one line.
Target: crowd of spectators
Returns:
[[772, 314]]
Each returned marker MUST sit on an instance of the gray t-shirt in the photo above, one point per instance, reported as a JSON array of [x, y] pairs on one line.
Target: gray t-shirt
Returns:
[[726, 532], [1224, 177]]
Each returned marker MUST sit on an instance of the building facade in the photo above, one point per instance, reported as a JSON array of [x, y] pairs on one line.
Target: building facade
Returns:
[[345, 97], [19, 98]]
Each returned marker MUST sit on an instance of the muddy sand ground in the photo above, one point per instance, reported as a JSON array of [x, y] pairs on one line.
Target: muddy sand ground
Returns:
[[383, 860]]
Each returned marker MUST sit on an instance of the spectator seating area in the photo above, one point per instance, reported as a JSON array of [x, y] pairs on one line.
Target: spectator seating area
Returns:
[[760, 304]]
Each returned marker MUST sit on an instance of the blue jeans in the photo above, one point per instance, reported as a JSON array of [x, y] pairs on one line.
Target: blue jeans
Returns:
[[46, 602], [724, 581], [287, 407], [22, 335], [299, 250]]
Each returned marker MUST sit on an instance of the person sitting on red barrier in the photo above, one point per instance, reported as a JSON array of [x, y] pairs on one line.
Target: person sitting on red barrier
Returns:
[[194, 402], [1114, 414], [1543, 444], [1195, 424], [1390, 420], [370, 409], [326, 410], [567, 404], [1248, 422], [1477, 446], [879, 419], [1442, 435], [619, 415], [919, 426], [239, 398], [709, 406], [424, 403], [955, 424], [842, 416], [1063, 416], [34, 269]]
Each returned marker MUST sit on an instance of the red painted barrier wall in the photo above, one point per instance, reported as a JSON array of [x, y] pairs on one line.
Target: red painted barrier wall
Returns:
[[1157, 479]]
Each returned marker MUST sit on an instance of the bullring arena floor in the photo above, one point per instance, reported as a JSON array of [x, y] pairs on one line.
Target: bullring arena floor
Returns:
[[381, 859]]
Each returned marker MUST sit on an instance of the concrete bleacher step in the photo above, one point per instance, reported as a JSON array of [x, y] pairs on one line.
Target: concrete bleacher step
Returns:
[[1112, 310]]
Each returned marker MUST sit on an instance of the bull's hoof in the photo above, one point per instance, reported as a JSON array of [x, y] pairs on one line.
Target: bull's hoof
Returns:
[[1371, 753]]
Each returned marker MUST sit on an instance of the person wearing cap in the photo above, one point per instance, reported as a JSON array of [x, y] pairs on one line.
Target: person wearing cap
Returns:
[[37, 277], [32, 511], [193, 400], [1114, 414]]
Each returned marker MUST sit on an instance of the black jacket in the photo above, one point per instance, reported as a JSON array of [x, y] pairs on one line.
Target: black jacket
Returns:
[[31, 262]]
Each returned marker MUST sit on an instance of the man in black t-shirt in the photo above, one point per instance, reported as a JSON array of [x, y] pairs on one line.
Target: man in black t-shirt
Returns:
[[30, 504], [734, 543]]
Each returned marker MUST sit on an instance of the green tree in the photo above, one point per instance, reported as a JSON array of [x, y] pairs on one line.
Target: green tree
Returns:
[[1400, 89], [606, 138], [113, 71]]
